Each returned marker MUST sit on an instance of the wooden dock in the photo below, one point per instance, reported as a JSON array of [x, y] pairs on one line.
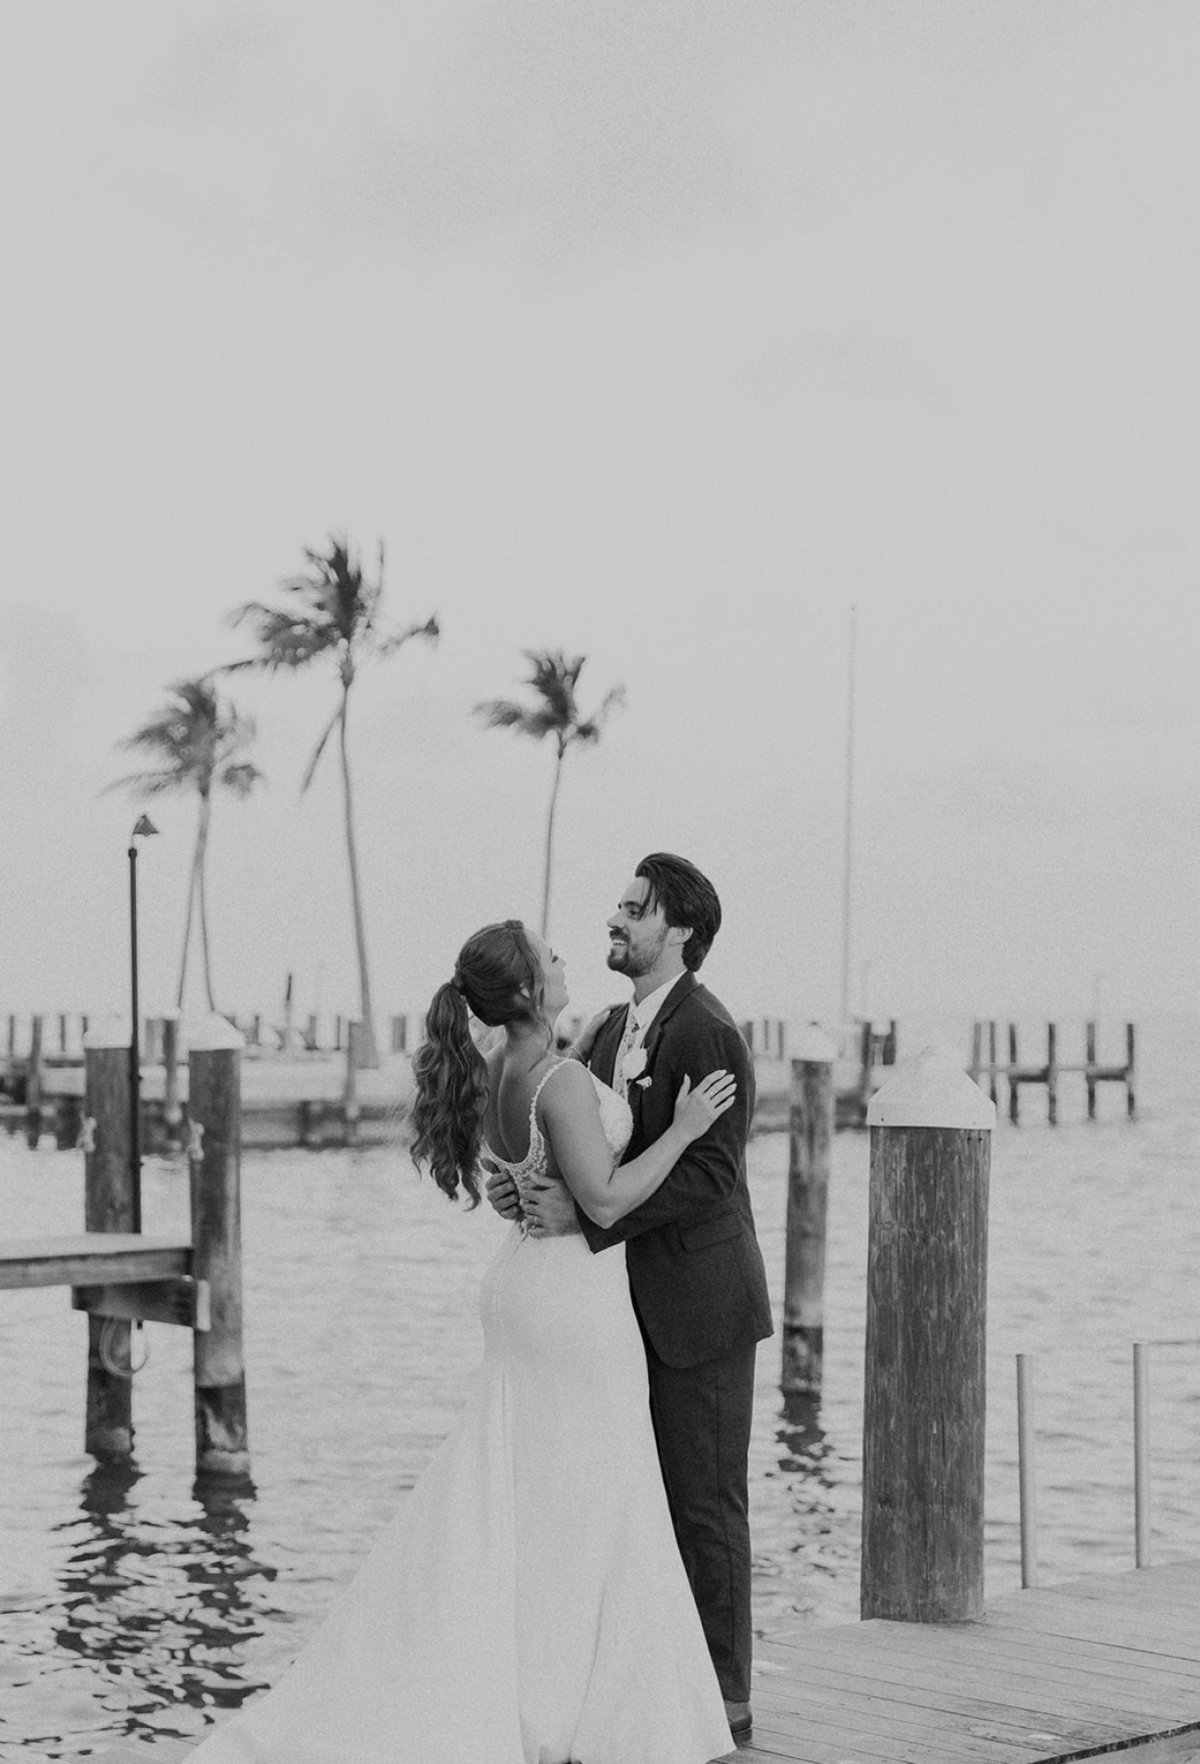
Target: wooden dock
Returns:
[[1108, 1664], [1069, 1671]]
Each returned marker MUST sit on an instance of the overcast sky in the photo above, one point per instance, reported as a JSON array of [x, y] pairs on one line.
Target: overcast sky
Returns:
[[663, 331]]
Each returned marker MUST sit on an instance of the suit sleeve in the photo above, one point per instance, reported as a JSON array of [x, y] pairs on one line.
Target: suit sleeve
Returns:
[[707, 1173]]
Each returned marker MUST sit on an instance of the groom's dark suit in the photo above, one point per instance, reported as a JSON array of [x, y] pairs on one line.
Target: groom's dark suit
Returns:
[[700, 1293]]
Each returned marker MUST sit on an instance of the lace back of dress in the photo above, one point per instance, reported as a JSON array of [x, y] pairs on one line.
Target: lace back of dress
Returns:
[[535, 1159]]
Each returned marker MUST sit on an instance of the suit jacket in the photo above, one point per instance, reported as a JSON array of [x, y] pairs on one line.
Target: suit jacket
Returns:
[[695, 1268]]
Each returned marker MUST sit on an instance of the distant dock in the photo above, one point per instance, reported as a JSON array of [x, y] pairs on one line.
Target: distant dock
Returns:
[[314, 1093]]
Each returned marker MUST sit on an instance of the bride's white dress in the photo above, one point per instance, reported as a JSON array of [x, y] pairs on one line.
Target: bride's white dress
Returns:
[[528, 1604]]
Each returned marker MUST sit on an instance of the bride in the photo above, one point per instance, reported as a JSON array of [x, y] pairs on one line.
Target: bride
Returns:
[[528, 1604]]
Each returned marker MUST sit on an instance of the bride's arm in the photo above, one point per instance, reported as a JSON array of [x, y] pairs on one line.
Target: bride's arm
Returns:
[[571, 1122]]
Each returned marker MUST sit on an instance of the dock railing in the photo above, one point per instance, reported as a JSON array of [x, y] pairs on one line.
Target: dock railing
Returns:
[[1026, 1454]]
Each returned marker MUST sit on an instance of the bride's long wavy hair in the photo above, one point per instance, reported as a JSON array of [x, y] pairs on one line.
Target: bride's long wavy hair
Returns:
[[497, 976]]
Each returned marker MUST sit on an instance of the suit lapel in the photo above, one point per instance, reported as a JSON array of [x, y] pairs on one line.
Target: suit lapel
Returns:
[[604, 1053], [686, 984]]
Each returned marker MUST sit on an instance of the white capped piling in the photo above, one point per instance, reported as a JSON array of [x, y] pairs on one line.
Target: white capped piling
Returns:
[[107, 1206], [810, 1138], [214, 1155], [923, 1427]]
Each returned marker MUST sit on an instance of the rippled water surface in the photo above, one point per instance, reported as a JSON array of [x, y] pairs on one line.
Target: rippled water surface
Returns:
[[131, 1606]]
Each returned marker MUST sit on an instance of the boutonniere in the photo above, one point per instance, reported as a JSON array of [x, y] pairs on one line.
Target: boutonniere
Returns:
[[643, 1083], [633, 1065]]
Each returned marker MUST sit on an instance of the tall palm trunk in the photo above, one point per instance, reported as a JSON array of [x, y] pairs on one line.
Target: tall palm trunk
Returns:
[[368, 1048], [193, 878], [558, 760], [202, 850]]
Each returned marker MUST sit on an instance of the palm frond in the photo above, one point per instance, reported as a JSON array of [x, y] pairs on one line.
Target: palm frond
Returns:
[[429, 630], [148, 783], [330, 726], [193, 734], [285, 639], [504, 713], [240, 777], [589, 731]]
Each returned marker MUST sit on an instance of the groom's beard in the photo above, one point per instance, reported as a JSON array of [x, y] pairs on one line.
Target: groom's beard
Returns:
[[624, 959]]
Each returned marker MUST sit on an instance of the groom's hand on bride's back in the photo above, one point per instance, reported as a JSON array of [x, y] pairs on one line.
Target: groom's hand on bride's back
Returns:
[[502, 1194]]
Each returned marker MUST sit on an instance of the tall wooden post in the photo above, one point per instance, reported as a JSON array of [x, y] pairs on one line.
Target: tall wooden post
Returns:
[[1130, 1098], [107, 1206], [172, 1109], [350, 1104], [1090, 1070], [810, 1138], [214, 1110], [1052, 1072], [33, 1084], [923, 1429], [1014, 1105]]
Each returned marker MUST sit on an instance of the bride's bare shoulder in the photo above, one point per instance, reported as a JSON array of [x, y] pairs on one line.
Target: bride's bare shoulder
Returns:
[[568, 1086]]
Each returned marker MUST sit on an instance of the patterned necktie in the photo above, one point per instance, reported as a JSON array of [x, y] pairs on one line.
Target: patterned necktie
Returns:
[[620, 1082]]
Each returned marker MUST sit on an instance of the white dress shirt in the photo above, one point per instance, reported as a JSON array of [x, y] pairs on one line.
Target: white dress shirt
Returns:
[[637, 1025]]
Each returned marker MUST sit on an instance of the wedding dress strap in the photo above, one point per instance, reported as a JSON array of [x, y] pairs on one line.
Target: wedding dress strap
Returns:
[[542, 1082]]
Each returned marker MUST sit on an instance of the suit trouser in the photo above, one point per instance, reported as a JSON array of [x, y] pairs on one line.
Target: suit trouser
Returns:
[[702, 1418]]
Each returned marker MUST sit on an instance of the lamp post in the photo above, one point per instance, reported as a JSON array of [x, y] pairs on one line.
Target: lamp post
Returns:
[[142, 830]]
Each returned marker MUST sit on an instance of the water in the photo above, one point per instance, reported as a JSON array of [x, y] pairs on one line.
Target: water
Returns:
[[132, 1608]]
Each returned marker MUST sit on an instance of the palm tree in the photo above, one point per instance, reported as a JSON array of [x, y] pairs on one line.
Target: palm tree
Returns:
[[197, 738], [331, 612], [553, 677]]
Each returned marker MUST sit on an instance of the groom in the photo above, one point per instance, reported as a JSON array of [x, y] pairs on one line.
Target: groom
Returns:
[[695, 1269]]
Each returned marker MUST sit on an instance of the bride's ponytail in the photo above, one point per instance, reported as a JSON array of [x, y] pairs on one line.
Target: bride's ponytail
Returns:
[[451, 1095], [499, 976]]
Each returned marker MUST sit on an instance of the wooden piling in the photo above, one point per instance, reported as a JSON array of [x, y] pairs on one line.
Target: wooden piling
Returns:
[[810, 1139], [68, 1119], [214, 1108], [108, 1206], [33, 1084], [351, 1109], [923, 1431], [1014, 1107], [1130, 1099], [1052, 1073], [1090, 1069], [172, 1109]]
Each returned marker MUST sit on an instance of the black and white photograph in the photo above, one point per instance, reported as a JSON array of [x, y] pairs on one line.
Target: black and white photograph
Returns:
[[599, 872]]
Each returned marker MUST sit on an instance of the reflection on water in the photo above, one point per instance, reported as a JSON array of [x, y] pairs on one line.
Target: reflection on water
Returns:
[[149, 1623], [136, 1604]]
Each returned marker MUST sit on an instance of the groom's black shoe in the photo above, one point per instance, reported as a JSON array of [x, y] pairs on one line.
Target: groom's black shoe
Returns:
[[741, 1723]]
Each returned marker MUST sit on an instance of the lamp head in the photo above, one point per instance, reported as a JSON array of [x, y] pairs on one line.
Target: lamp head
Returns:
[[144, 828]]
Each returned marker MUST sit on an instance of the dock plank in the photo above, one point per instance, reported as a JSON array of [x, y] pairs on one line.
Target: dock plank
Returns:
[[1070, 1671], [93, 1258], [904, 1699]]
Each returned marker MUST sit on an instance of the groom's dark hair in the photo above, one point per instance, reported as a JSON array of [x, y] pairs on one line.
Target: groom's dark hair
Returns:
[[687, 898]]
